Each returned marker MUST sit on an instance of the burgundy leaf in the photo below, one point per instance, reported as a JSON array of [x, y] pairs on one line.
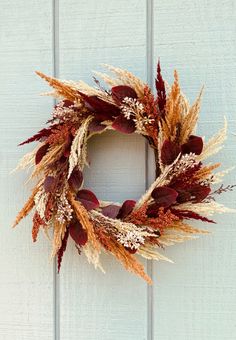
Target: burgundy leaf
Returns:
[[126, 208], [196, 193], [41, 153], [63, 159], [76, 179], [123, 124], [78, 234], [185, 179], [200, 192], [111, 210], [130, 250], [88, 199], [121, 91], [66, 152], [103, 110], [50, 184], [161, 92], [61, 251], [183, 196], [164, 196], [153, 210], [67, 146], [169, 152], [190, 215], [67, 103], [96, 126], [194, 145]]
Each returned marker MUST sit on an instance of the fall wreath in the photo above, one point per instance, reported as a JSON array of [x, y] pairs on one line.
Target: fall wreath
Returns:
[[181, 191]]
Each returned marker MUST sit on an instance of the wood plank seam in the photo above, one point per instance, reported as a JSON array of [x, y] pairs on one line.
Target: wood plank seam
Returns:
[[149, 65], [55, 63]]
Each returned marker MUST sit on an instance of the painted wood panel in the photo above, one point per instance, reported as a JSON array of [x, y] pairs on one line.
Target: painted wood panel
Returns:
[[26, 284], [195, 297], [114, 305], [191, 299]]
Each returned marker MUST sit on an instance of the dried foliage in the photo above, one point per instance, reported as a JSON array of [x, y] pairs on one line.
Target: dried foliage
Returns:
[[37, 223], [181, 192], [62, 89], [77, 156], [26, 208], [83, 217], [62, 249], [161, 91]]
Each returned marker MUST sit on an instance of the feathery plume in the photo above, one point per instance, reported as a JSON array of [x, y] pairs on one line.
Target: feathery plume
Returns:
[[26, 208]]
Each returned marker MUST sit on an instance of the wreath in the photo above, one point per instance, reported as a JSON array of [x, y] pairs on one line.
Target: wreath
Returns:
[[180, 192]]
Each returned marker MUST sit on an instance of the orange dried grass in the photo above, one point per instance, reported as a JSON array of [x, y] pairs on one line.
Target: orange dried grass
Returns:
[[83, 217], [172, 120], [128, 260], [58, 235], [206, 171], [180, 119], [62, 89], [27, 207], [186, 228], [189, 120]]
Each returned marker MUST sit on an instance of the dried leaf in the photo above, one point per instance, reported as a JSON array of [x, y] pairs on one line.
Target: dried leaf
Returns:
[[169, 152], [102, 109], [121, 91], [83, 217], [124, 125], [88, 199], [50, 184], [194, 145], [195, 193], [78, 234], [126, 208], [164, 196], [96, 126], [41, 153], [76, 179], [111, 210], [62, 249]]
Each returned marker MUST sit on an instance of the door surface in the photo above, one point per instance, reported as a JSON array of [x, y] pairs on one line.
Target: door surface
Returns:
[[193, 299]]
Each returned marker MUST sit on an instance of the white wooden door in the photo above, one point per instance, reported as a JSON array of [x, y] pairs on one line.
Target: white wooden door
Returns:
[[193, 299]]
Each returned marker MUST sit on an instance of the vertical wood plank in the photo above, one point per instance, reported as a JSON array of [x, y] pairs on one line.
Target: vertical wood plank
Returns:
[[94, 305], [150, 170], [195, 298], [26, 291]]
